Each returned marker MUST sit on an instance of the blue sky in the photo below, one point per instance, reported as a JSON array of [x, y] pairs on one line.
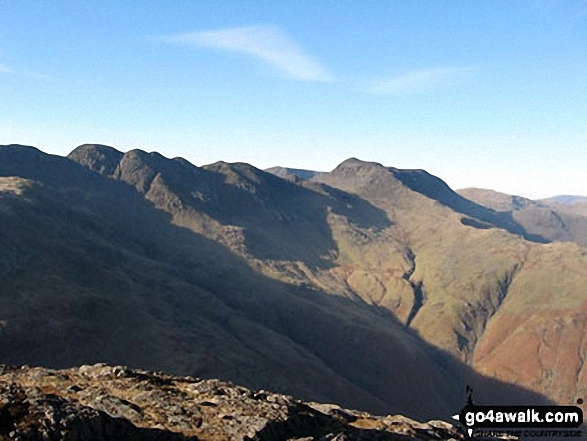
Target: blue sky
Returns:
[[480, 93]]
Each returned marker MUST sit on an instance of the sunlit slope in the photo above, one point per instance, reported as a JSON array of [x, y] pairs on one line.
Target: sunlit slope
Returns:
[[78, 287], [368, 286], [145, 263], [485, 293], [549, 218], [538, 336], [395, 240]]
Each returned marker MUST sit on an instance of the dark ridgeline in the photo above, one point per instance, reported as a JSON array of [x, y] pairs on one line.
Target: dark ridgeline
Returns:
[[372, 287]]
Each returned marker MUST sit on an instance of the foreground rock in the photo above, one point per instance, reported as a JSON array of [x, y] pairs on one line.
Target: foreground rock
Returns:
[[113, 403]]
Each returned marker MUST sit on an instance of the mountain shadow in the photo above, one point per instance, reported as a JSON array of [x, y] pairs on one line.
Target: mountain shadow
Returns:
[[95, 271], [279, 220]]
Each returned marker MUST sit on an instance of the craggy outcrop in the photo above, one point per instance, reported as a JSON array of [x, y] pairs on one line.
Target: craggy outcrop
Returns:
[[95, 403]]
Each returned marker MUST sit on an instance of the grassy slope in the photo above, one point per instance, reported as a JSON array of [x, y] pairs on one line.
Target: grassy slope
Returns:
[[489, 297], [232, 272], [103, 272]]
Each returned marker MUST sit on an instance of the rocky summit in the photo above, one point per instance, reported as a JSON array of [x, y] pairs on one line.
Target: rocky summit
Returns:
[[100, 402]]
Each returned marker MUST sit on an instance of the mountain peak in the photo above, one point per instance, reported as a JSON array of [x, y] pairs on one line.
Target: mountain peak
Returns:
[[354, 165], [355, 162], [19, 147], [19, 152], [97, 157], [242, 170]]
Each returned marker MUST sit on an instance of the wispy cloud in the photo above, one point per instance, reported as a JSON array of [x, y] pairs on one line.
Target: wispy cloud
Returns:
[[267, 43], [418, 81]]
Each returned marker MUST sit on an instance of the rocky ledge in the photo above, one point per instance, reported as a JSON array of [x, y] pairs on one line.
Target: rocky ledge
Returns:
[[100, 402]]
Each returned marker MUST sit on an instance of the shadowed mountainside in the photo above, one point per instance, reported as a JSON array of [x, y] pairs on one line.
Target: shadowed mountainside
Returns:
[[353, 287]]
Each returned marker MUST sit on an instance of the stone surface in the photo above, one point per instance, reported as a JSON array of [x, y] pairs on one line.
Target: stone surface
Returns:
[[101, 402]]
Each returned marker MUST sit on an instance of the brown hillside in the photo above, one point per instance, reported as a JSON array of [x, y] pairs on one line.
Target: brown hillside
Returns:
[[366, 286]]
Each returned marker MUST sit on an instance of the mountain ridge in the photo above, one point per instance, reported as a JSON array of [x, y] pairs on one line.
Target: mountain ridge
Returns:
[[286, 274]]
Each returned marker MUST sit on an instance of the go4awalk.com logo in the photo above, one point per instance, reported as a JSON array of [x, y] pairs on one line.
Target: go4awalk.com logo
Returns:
[[521, 421]]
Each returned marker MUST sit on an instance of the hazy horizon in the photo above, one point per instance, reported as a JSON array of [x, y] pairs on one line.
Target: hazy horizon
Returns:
[[481, 94]]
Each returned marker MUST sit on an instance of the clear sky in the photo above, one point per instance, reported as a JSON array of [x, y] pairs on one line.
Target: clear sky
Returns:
[[480, 93]]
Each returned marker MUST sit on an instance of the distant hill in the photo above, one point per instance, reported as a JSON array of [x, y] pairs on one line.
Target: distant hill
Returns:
[[566, 199], [547, 218], [369, 286], [290, 173], [495, 200]]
